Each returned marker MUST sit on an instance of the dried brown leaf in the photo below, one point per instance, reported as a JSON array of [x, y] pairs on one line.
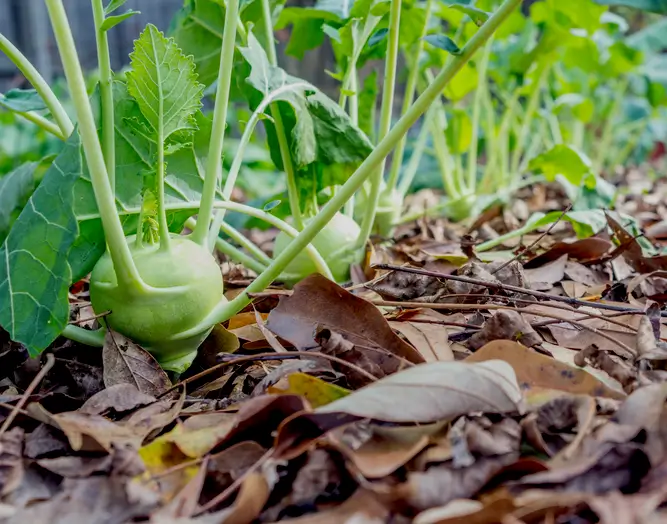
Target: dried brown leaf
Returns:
[[127, 363], [318, 303], [535, 371], [11, 460], [431, 340], [505, 325]]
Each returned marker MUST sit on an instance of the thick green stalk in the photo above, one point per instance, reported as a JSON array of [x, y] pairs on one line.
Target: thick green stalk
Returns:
[[213, 161], [408, 97], [246, 243], [476, 116], [42, 122], [235, 168], [106, 93], [165, 238], [281, 133], [368, 167], [238, 256], [385, 119], [93, 338], [41, 86], [126, 271]]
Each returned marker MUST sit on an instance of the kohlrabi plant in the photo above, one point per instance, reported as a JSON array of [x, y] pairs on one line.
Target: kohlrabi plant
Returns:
[[142, 162]]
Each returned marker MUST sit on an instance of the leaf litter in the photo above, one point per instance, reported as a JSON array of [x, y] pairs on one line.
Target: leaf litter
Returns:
[[439, 388]]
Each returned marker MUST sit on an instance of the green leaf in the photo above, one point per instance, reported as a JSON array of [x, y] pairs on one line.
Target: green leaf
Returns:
[[35, 274], [113, 5], [562, 160], [22, 100], [651, 39], [164, 83], [478, 16], [15, 190], [114, 20], [378, 36], [320, 131], [443, 42], [368, 105], [654, 6], [459, 131]]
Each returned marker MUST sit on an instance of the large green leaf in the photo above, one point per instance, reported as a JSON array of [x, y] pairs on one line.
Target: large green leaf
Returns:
[[22, 100], [15, 190], [198, 29], [562, 160], [35, 274], [320, 131], [655, 6], [164, 84]]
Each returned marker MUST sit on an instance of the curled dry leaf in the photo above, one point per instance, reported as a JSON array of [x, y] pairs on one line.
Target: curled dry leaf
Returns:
[[435, 391]]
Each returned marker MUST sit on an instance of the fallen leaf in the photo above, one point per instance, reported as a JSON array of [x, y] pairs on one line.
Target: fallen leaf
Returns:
[[118, 398], [431, 340], [127, 363], [546, 275], [318, 303], [11, 460], [534, 370], [505, 325], [363, 507], [316, 391], [583, 250], [435, 391]]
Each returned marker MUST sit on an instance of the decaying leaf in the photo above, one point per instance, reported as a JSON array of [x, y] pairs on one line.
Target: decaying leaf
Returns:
[[127, 363]]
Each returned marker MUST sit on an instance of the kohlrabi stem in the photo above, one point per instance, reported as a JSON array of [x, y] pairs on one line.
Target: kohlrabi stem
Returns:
[[124, 267], [106, 93], [93, 338], [40, 85], [238, 256], [417, 154], [246, 243], [214, 158], [42, 122], [163, 226], [408, 97], [276, 222], [354, 116], [281, 133], [226, 310], [531, 110], [389, 84], [477, 114], [607, 136], [233, 252]]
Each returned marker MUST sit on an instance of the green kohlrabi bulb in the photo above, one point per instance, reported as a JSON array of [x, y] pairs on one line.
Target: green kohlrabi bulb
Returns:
[[185, 285], [336, 243]]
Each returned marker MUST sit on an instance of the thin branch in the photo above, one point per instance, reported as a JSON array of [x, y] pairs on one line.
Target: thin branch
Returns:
[[627, 350], [514, 289], [539, 239]]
